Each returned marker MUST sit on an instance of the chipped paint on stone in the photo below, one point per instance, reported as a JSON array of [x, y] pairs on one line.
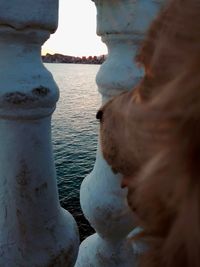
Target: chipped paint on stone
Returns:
[[41, 91], [20, 98], [34, 230]]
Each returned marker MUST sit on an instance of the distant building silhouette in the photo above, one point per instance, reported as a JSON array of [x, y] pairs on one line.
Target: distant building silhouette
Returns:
[[59, 58]]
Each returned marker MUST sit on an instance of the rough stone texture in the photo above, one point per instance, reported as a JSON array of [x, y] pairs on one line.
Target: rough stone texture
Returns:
[[125, 17], [21, 14], [34, 229], [122, 24], [97, 252]]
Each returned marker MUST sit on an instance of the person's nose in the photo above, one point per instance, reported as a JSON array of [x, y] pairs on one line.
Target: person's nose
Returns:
[[99, 115]]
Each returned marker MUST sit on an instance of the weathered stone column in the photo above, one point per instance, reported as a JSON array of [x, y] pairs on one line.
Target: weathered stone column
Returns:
[[122, 24], [34, 229]]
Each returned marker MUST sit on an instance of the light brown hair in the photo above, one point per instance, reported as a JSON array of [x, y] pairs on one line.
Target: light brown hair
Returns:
[[152, 136]]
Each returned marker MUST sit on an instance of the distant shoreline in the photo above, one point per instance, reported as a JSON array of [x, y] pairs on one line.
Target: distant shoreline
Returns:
[[59, 58]]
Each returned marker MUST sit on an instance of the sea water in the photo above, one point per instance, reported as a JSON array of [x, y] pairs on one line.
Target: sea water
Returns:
[[74, 133]]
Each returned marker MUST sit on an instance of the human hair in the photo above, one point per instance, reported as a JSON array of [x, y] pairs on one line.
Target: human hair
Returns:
[[152, 136], [165, 193]]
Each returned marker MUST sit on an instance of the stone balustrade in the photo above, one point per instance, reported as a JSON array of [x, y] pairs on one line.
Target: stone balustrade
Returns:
[[34, 229], [122, 25]]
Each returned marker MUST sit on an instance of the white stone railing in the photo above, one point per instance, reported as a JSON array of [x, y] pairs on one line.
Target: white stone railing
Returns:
[[34, 229], [122, 25]]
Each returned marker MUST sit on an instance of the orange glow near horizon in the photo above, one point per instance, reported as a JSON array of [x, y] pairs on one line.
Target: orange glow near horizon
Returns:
[[76, 34]]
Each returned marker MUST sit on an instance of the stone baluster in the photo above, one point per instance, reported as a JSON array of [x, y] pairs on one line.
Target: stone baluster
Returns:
[[121, 24], [34, 229]]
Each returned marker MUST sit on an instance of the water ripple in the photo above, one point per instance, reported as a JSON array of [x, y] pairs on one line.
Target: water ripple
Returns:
[[74, 133]]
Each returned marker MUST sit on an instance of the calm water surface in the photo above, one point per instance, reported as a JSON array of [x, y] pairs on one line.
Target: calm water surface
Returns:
[[74, 133]]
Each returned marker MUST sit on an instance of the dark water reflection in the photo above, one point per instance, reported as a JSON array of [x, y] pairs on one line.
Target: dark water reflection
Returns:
[[74, 133]]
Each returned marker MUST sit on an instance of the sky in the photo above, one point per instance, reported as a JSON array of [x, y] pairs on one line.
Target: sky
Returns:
[[76, 33]]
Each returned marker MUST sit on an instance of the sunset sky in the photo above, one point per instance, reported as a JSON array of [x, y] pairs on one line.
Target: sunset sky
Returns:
[[76, 34]]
